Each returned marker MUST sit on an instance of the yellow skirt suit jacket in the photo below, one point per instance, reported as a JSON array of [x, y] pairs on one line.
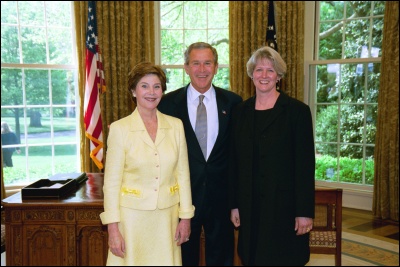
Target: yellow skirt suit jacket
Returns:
[[142, 175]]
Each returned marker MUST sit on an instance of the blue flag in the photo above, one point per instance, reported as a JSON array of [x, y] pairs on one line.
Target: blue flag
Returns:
[[271, 29]]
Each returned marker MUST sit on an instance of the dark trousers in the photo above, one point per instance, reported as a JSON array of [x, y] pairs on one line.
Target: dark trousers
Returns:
[[7, 157], [219, 240]]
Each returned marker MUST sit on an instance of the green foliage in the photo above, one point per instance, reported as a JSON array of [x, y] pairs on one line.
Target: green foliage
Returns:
[[38, 168], [59, 124], [349, 171], [347, 94], [39, 156], [183, 23]]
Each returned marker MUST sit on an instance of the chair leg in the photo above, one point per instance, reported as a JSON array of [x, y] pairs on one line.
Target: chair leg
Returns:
[[338, 259]]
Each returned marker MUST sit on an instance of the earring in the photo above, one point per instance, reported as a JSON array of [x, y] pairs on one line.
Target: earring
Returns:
[[134, 95]]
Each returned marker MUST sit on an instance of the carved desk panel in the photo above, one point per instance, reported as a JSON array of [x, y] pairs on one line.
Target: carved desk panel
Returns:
[[57, 232]]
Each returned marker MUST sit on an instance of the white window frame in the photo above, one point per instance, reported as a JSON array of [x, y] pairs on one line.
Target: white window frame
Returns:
[[355, 195], [157, 30], [10, 189]]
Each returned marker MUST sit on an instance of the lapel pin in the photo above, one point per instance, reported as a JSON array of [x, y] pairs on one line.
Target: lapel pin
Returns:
[[224, 112]]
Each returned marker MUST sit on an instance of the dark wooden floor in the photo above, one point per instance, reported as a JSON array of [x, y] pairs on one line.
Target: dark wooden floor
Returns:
[[364, 223]]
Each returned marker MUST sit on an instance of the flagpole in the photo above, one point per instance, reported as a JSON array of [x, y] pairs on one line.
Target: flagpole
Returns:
[[95, 84]]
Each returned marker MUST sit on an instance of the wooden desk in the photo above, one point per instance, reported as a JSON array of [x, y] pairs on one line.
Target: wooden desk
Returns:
[[57, 232]]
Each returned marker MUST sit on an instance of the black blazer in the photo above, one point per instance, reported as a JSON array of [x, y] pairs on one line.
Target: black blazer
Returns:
[[209, 180], [285, 183]]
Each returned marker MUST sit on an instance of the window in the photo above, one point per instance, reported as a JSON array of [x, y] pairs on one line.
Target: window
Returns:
[[344, 73], [39, 89], [185, 22]]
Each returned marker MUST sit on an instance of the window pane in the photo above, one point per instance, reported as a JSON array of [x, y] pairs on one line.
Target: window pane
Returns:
[[65, 158], [195, 15], [330, 40], [326, 165], [379, 7], [192, 36], [371, 121], [326, 124], [39, 161], [31, 13], [173, 39], [344, 93], [9, 44], [377, 36], [11, 87], [37, 87], [219, 39], [352, 84], [218, 12], [332, 10], [328, 83], [60, 46], [356, 38], [185, 22], [373, 82], [351, 170], [64, 123], [39, 103], [171, 14], [351, 123], [58, 13], [63, 87], [221, 79], [39, 127], [33, 45], [175, 79], [8, 12]]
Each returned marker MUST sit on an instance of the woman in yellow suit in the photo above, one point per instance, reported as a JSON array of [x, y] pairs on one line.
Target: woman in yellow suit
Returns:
[[147, 196]]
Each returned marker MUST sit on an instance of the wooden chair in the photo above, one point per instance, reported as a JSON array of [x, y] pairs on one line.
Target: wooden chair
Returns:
[[326, 235], [3, 231]]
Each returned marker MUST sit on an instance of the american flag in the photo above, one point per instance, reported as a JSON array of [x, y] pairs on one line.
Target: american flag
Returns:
[[271, 29], [95, 84]]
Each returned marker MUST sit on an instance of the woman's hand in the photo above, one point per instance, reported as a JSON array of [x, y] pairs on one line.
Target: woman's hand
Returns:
[[235, 218], [116, 242], [303, 225], [182, 233]]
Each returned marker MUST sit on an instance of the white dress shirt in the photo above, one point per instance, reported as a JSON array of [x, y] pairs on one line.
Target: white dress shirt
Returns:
[[210, 101]]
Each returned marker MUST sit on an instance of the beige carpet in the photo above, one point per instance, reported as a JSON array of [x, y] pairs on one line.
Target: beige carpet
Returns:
[[360, 250]]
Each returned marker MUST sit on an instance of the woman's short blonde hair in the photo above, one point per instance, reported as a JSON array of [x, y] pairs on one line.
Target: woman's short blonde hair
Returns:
[[270, 54]]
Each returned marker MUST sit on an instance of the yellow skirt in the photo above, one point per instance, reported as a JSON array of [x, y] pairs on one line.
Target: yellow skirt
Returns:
[[149, 238]]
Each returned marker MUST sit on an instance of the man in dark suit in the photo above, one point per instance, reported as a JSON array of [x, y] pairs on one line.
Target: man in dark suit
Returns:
[[208, 171]]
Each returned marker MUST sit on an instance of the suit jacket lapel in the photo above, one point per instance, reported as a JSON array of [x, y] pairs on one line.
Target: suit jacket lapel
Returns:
[[162, 125], [182, 112], [223, 117], [137, 125]]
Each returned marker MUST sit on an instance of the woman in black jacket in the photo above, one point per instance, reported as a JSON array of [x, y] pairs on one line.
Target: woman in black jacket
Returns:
[[272, 165]]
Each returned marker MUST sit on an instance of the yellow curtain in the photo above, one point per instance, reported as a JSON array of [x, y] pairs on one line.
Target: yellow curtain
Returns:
[[386, 184], [247, 31], [289, 19], [126, 37]]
